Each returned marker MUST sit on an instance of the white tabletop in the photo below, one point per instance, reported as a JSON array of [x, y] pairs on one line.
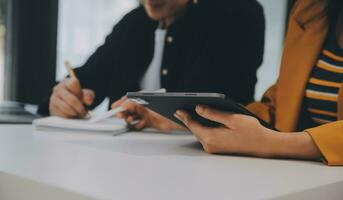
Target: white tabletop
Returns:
[[148, 166]]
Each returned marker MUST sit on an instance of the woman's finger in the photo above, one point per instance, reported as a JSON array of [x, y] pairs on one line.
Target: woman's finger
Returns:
[[196, 128], [213, 114]]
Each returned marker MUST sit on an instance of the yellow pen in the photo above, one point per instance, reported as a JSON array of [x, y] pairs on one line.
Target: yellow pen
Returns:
[[70, 70], [73, 76]]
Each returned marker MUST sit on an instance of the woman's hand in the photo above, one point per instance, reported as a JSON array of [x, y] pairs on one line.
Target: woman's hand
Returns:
[[140, 117], [241, 134]]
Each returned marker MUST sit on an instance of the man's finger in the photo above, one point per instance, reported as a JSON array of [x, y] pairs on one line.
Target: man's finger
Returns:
[[57, 111], [119, 102], [140, 125], [64, 107], [121, 115], [130, 107], [73, 85], [131, 118], [88, 96], [73, 102]]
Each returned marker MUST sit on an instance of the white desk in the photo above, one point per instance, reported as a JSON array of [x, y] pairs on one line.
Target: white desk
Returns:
[[148, 166]]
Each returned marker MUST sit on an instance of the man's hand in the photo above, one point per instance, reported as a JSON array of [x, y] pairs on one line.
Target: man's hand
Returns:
[[145, 118], [68, 99]]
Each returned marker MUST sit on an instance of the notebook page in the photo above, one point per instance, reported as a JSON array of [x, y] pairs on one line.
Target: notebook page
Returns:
[[108, 125]]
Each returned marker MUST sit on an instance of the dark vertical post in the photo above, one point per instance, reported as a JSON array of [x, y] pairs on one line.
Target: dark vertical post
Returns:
[[31, 49]]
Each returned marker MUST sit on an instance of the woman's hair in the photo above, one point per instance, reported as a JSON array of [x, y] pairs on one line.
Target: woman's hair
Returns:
[[330, 8], [333, 9]]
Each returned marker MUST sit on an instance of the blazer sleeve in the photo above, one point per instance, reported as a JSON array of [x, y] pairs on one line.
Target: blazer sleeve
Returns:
[[329, 140], [265, 109], [96, 73]]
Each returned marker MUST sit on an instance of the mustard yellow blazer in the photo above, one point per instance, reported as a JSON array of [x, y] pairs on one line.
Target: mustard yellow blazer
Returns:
[[282, 102]]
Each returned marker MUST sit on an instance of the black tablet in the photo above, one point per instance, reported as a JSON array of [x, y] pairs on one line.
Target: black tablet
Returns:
[[166, 105]]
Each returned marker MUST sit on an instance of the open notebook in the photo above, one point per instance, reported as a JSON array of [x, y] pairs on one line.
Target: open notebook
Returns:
[[111, 126]]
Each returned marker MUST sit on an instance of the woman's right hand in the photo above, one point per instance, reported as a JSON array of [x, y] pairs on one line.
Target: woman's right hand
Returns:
[[146, 118]]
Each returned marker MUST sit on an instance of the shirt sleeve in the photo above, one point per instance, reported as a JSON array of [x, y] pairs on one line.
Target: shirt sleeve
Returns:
[[96, 73]]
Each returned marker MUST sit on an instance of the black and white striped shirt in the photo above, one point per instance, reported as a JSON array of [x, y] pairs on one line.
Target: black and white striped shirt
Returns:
[[325, 82]]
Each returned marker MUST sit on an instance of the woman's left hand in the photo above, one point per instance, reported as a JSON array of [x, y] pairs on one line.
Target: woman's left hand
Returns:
[[240, 134]]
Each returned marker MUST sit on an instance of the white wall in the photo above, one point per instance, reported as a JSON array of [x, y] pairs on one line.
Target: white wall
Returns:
[[83, 26], [2, 60], [275, 13]]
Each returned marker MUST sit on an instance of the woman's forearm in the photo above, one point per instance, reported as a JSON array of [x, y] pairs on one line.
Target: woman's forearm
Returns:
[[293, 145]]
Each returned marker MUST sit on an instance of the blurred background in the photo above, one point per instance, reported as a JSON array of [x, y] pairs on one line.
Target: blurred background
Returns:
[[36, 37]]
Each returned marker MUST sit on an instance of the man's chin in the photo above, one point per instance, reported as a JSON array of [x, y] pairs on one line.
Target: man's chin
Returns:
[[155, 16]]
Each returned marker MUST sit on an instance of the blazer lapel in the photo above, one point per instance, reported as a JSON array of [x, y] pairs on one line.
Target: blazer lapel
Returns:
[[302, 47]]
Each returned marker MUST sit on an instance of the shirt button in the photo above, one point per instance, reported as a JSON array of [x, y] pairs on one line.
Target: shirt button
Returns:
[[170, 39], [164, 72]]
